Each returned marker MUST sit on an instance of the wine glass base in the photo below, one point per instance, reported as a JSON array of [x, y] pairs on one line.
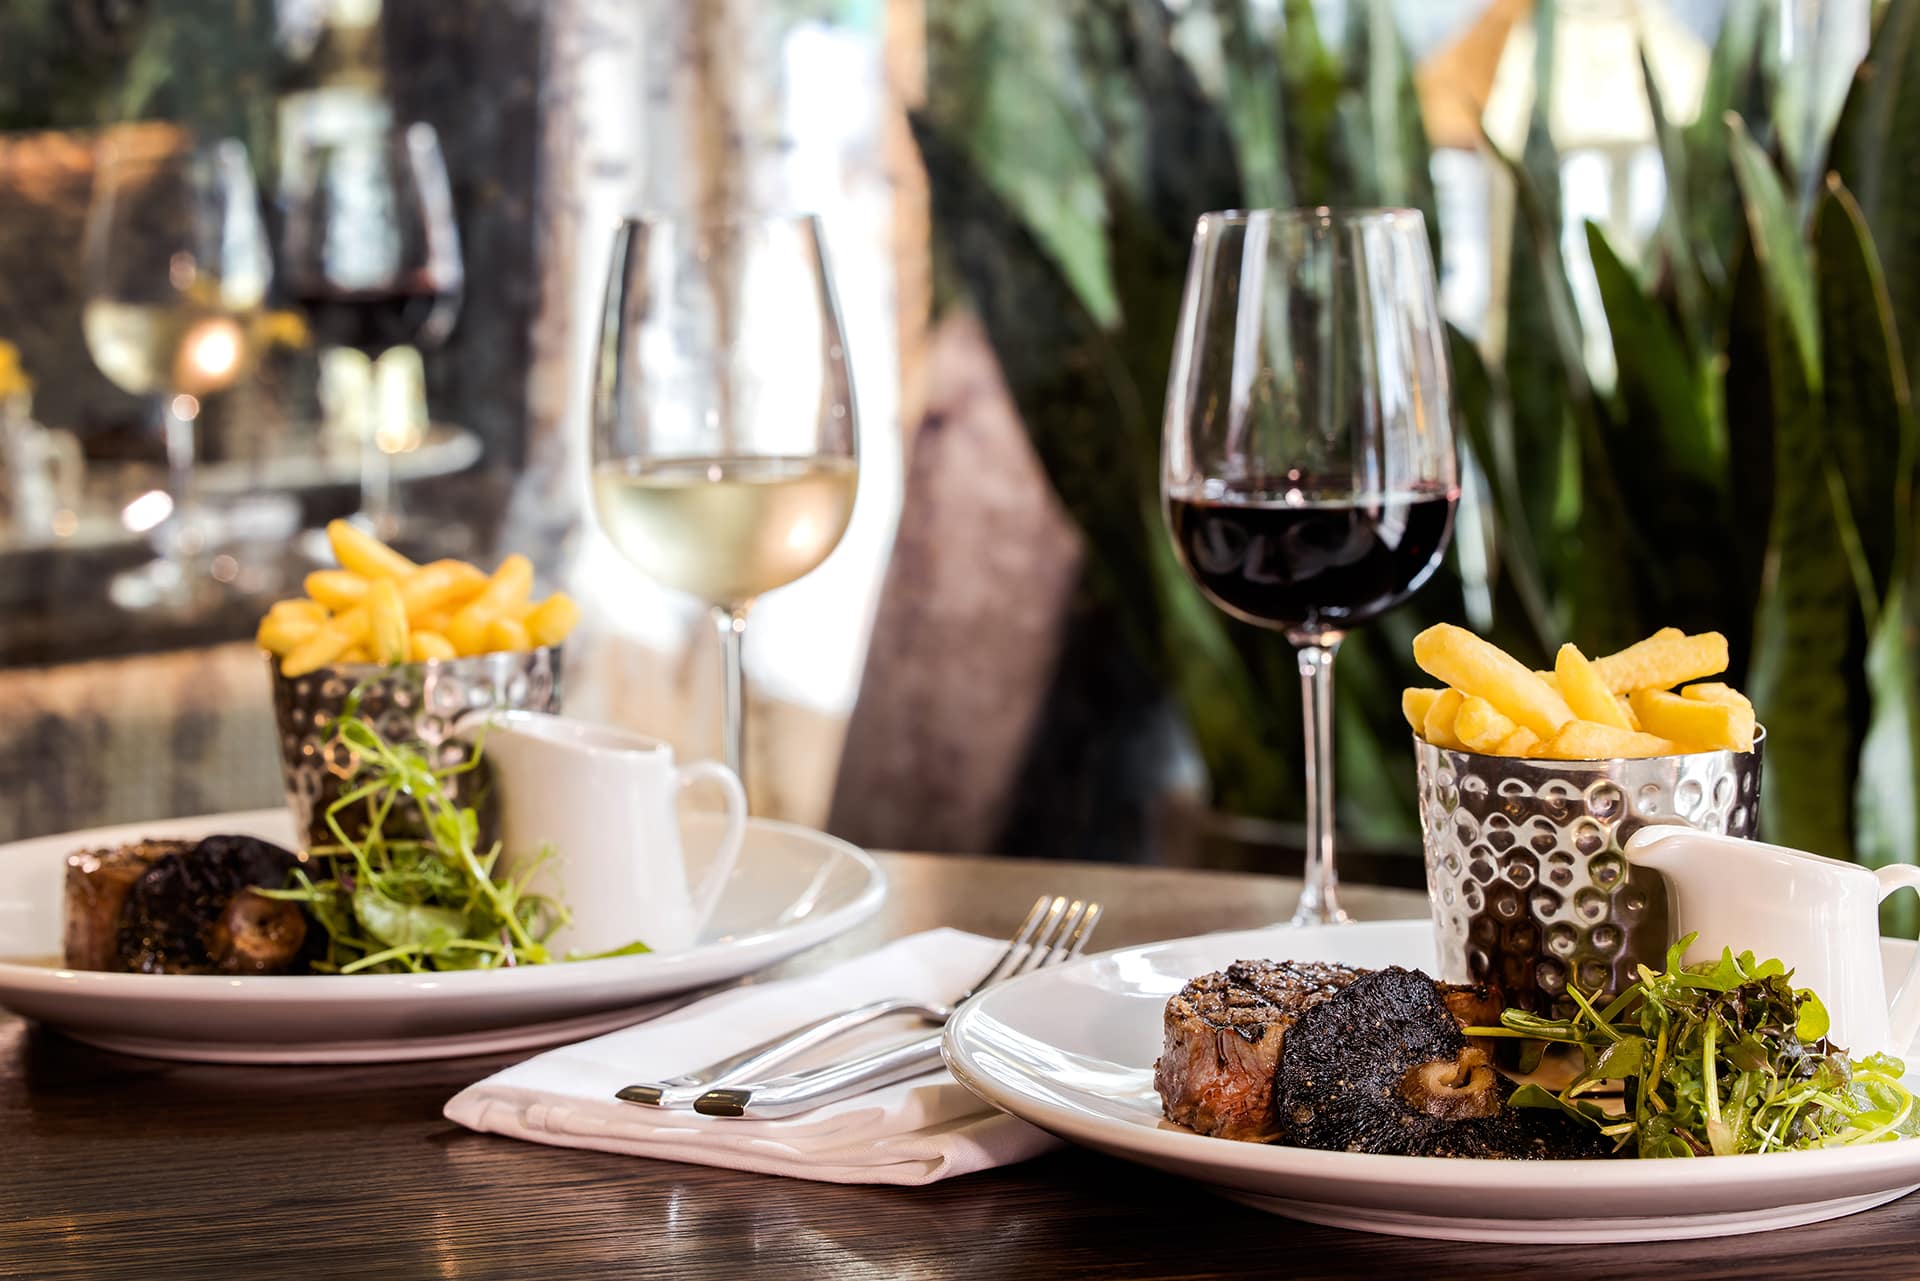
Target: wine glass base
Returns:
[[1315, 909]]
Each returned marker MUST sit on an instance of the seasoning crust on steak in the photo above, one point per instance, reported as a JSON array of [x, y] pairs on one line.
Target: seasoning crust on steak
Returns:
[[1223, 1037]]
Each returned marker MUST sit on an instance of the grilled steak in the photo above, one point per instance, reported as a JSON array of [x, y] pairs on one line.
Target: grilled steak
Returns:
[[185, 907], [97, 885], [1224, 1033]]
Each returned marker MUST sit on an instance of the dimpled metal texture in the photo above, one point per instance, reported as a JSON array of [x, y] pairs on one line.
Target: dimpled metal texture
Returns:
[[1525, 874], [409, 702]]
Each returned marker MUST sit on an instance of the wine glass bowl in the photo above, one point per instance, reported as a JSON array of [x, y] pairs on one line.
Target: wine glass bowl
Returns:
[[174, 258], [725, 451], [1307, 455]]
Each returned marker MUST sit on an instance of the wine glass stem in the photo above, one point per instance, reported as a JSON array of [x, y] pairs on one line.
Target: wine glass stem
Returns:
[[376, 465], [1320, 897], [731, 620], [182, 537]]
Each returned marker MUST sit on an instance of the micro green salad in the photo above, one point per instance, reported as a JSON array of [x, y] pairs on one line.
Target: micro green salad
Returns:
[[412, 892], [1717, 1059]]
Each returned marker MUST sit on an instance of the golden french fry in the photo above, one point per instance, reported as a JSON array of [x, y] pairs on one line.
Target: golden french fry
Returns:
[[1716, 692], [507, 634], [1587, 741], [299, 609], [337, 589], [1437, 728], [1662, 661], [356, 654], [427, 647], [1480, 725], [329, 641], [1414, 705], [1584, 691], [439, 586], [555, 616], [1697, 724], [508, 586], [386, 623], [364, 554], [1519, 743], [1626, 710], [432, 620], [280, 636], [1473, 666]]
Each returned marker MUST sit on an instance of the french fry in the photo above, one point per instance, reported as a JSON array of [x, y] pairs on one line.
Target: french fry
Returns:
[[337, 589], [364, 554], [1480, 725], [1472, 666], [427, 647], [508, 586], [280, 636], [1662, 661], [1414, 705], [1437, 728], [1698, 725], [555, 616], [439, 586], [329, 641], [1715, 692], [355, 654], [507, 634], [1584, 691], [1626, 710], [1519, 743], [299, 609], [432, 620], [1587, 741], [386, 623]]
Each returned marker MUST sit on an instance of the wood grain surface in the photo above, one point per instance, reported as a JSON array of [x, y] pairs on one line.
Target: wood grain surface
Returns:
[[120, 1167]]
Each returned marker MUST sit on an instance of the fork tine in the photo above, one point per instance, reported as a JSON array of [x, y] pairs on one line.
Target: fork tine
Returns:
[[1083, 931], [1058, 926], [1020, 936]]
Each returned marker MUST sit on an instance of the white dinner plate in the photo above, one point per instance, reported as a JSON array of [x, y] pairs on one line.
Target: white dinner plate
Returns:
[[1071, 1049], [792, 888]]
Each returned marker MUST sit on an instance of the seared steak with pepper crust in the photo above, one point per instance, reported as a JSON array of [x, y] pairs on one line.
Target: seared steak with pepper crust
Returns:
[[1223, 1036]]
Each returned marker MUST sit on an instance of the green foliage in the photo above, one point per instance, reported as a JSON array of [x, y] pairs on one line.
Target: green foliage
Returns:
[[1747, 467]]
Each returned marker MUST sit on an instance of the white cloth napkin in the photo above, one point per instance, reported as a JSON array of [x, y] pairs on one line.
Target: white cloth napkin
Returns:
[[911, 1133]]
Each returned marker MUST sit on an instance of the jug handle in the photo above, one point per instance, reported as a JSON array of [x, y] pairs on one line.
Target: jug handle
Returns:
[[707, 897], [1903, 1011]]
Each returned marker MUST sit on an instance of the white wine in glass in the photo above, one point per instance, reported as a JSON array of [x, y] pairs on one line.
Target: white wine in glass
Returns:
[[175, 260], [725, 456]]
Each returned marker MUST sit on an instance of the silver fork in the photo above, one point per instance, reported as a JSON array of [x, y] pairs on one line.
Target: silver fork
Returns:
[[1062, 934], [1045, 917]]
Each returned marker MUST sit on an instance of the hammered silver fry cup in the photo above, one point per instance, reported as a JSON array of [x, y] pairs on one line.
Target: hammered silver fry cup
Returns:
[[416, 703], [1525, 876]]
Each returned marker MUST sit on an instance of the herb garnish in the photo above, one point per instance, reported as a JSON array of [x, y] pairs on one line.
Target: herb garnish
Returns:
[[1716, 1059], [398, 903]]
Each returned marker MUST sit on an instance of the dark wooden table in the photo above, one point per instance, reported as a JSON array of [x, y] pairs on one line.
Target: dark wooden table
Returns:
[[119, 1167]]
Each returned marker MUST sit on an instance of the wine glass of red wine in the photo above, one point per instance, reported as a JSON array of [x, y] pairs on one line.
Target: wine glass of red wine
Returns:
[[1307, 460], [371, 252]]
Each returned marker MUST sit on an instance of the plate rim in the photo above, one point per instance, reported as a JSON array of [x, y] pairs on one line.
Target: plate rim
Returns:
[[1354, 1169], [358, 988]]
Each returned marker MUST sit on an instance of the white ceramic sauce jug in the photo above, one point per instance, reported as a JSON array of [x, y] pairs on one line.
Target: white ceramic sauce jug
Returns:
[[606, 801], [1819, 916]]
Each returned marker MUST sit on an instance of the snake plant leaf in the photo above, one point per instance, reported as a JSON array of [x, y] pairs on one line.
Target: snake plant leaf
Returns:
[[1691, 291], [1381, 125], [1869, 409], [1748, 414], [1253, 103], [1662, 449], [1805, 625], [1876, 152], [1734, 83], [1312, 83], [1886, 803]]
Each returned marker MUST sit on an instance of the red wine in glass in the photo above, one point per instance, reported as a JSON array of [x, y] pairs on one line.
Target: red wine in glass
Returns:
[[1272, 557], [373, 320]]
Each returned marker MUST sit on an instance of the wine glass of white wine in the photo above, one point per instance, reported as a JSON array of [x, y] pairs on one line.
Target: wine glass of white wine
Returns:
[[175, 259], [725, 458]]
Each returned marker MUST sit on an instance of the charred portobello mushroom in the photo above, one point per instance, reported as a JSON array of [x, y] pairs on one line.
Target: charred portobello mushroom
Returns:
[[195, 912], [1383, 1068]]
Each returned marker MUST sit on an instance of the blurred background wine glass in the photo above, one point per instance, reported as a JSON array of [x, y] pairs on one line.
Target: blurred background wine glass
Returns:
[[371, 252], [175, 261], [725, 459]]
